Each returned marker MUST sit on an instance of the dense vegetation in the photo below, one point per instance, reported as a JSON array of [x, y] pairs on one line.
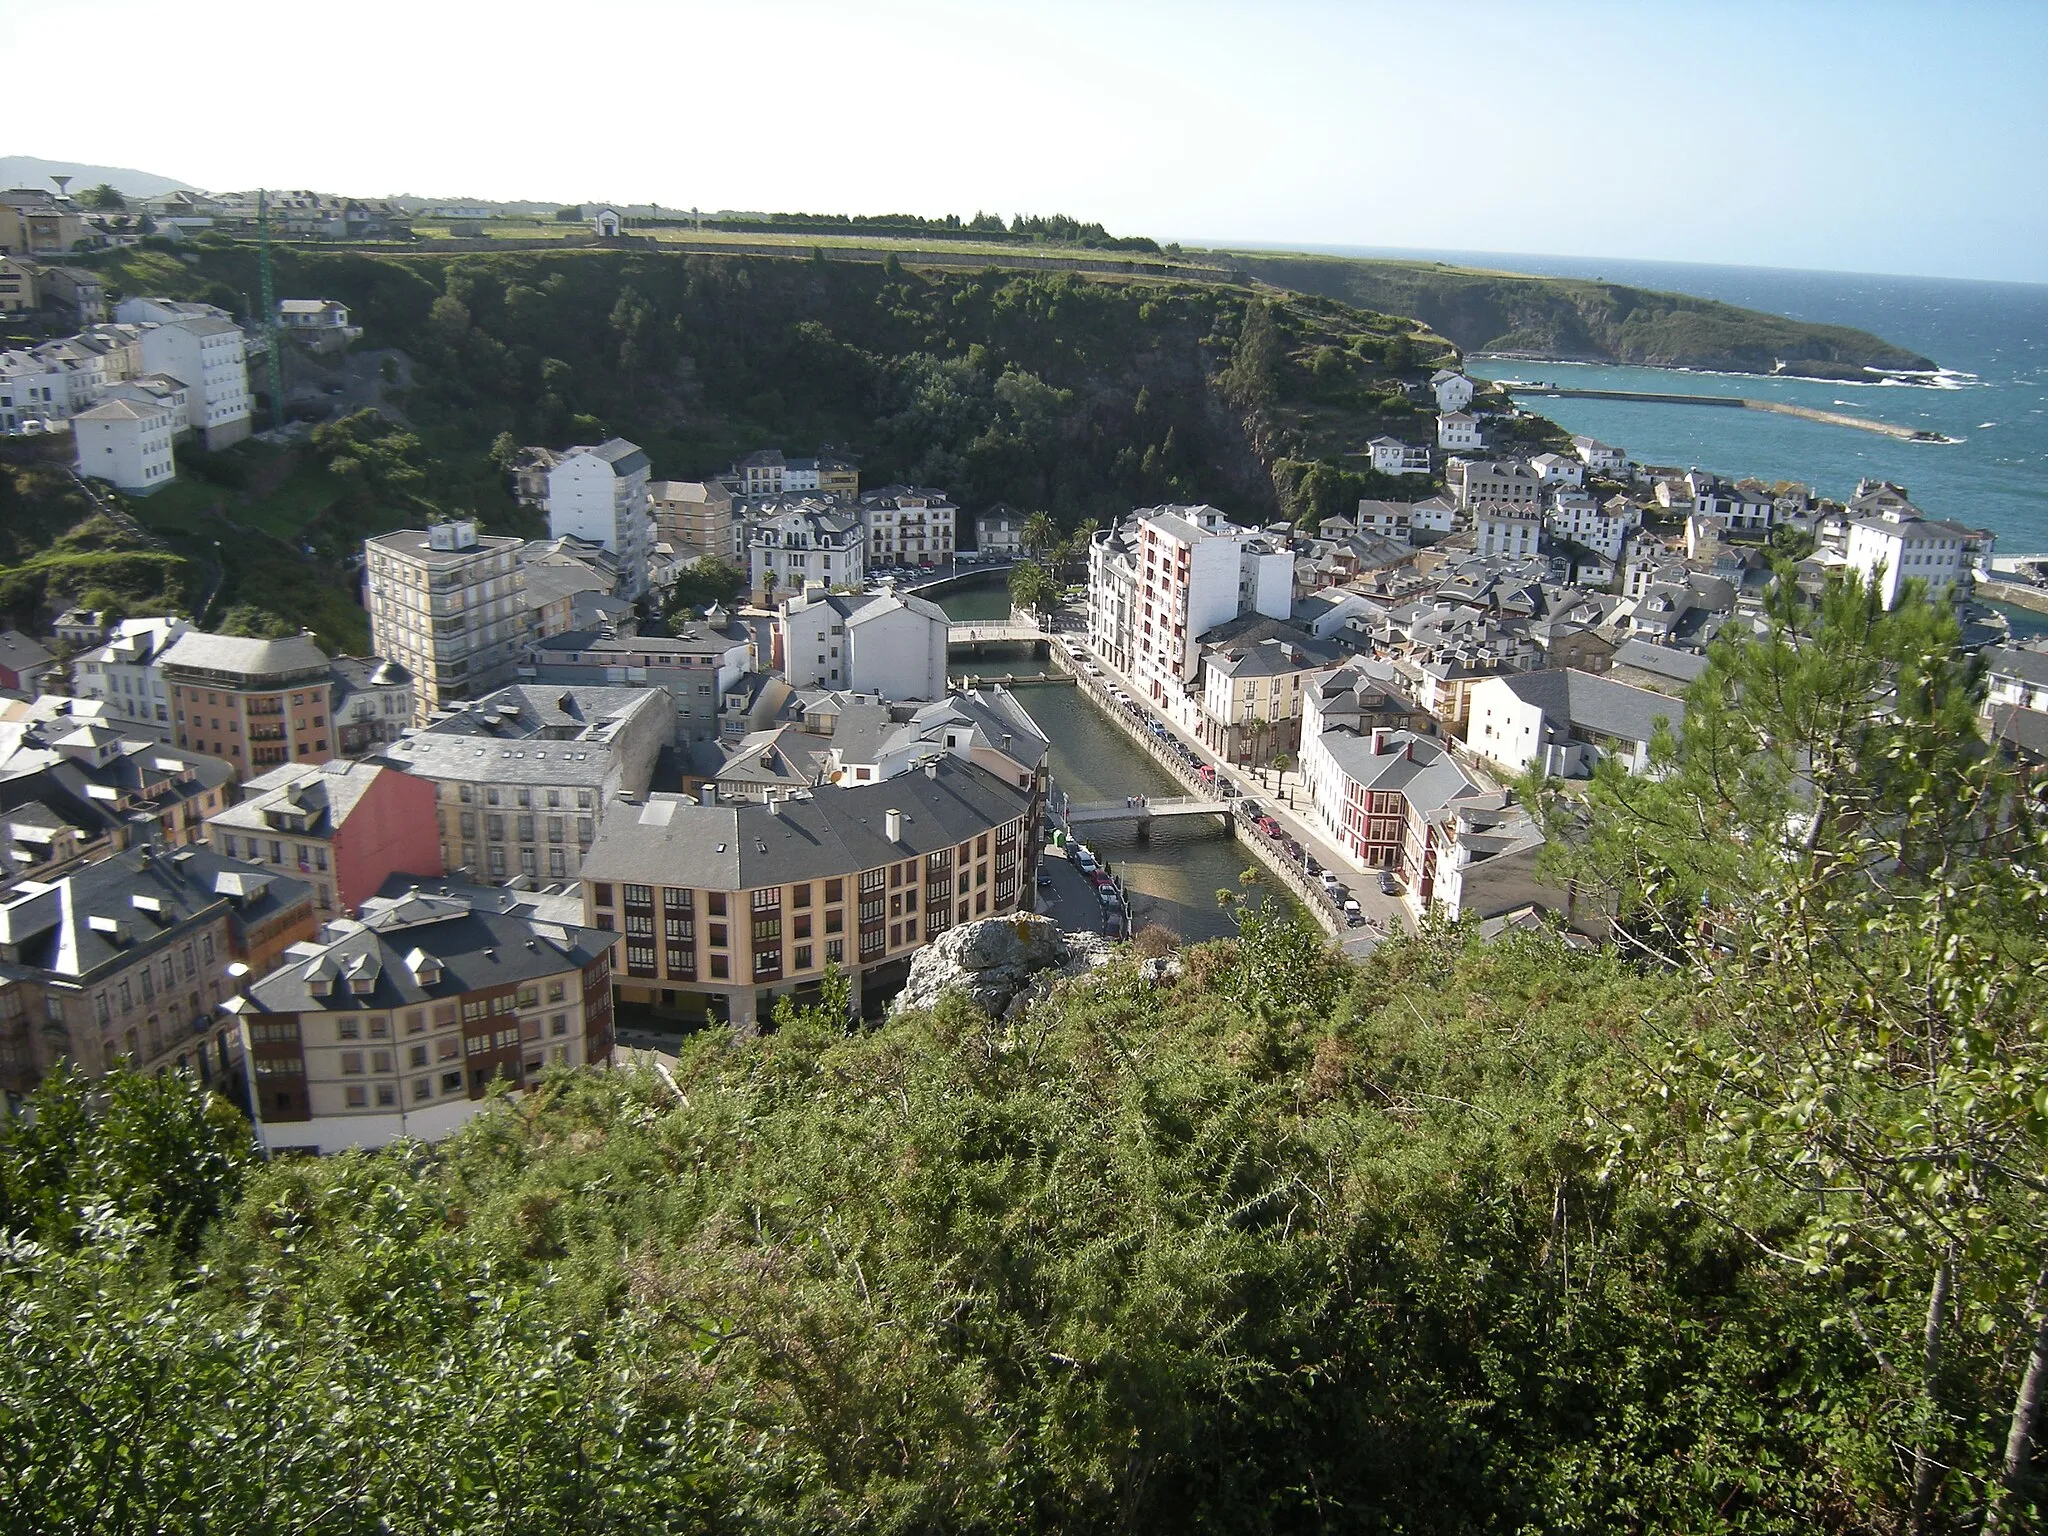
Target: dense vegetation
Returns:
[[1023, 229], [1735, 1227], [1080, 397], [1575, 318]]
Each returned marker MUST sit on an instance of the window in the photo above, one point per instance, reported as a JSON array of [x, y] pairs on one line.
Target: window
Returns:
[[358, 1096], [601, 895], [380, 1061], [417, 1056], [767, 898], [422, 1088], [716, 903], [637, 895], [387, 1095], [349, 1029], [415, 1021], [352, 1063], [676, 899], [558, 1024], [834, 891], [380, 1027], [451, 1082], [557, 989], [717, 935], [803, 957]]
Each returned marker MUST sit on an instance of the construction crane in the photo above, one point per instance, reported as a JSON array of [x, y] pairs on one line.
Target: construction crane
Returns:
[[269, 309]]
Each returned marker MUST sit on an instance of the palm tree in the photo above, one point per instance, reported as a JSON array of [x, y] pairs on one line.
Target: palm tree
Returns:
[[1041, 533], [768, 585]]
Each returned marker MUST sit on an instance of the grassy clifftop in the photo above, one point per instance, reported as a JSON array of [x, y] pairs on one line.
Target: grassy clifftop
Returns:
[[1581, 319]]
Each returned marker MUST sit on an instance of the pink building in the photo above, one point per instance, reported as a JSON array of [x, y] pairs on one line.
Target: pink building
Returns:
[[346, 827]]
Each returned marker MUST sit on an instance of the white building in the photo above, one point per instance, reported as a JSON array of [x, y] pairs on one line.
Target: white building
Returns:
[[1391, 456], [122, 674], [204, 353], [600, 494], [1385, 519], [1554, 469], [1495, 482], [1434, 514], [1898, 545], [1457, 431], [1194, 570], [43, 386], [1598, 456], [1112, 593], [126, 443], [1564, 721], [879, 643], [1453, 390], [999, 533], [1576, 516], [1502, 529], [803, 544], [908, 525]]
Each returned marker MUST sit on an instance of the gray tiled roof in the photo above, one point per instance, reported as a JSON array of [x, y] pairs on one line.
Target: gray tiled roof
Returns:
[[670, 840], [1679, 666], [480, 939], [1597, 704], [200, 651], [2029, 666]]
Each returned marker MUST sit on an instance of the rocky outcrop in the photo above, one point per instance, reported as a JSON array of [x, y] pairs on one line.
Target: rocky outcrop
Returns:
[[1000, 964]]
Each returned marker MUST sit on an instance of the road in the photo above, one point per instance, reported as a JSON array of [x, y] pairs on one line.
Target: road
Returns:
[[1285, 798]]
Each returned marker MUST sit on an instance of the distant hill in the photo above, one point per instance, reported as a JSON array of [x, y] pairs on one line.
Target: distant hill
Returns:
[[28, 171], [1575, 319]]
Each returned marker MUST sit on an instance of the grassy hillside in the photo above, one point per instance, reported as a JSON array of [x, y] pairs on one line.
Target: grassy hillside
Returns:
[[1575, 318], [1078, 395]]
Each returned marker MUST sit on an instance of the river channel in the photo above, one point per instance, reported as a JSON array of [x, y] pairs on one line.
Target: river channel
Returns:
[[1173, 878]]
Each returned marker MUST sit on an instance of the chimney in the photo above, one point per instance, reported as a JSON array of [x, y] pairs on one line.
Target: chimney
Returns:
[[774, 803], [708, 795], [931, 768], [1379, 741], [892, 824]]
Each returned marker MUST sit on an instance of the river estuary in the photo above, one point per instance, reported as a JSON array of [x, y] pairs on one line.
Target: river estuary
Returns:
[[1173, 878]]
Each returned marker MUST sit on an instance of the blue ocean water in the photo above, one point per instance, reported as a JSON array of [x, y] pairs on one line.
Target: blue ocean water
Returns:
[[1992, 338]]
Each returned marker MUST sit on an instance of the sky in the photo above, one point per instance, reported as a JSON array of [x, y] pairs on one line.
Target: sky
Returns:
[[1844, 135]]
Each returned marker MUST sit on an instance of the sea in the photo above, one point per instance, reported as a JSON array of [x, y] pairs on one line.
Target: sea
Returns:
[[1990, 340]]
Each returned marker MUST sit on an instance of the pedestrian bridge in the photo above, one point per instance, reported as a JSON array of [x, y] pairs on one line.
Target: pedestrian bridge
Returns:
[[994, 632], [1143, 808]]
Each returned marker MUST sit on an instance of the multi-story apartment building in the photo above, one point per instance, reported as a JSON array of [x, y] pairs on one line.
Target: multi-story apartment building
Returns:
[[1575, 515], [694, 518], [1112, 594], [889, 645], [722, 908], [521, 774], [1255, 672], [344, 828], [766, 472], [908, 525], [124, 674], [202, 348], [1458, 432], [126, 443], [448, 604], [255, 703], [600, 493], [1495, 482], [124, 961], [1897, 545], [1511, 530], [801, 543], [1378, 796], [1599, 457], [696, 665], [1195, 570], [398, 1023]]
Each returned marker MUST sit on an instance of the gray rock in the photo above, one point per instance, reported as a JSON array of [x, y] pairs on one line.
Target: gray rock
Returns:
[[1001, 964]]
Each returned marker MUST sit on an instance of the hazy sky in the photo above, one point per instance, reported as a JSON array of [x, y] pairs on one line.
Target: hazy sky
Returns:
[[1852, 136]]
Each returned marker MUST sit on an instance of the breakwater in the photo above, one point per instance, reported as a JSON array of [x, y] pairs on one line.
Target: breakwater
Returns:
[[1742, 403]]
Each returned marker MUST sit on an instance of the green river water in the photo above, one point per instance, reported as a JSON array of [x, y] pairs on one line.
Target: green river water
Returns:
[[1173, 878]]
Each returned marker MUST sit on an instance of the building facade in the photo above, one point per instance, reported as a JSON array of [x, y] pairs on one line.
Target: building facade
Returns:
[[126, 443], [343, 828], [908, 525], [721, 909], [891, 646], [600, 493], [398, 1023], [521, 774], [448, 604], [256, 704]]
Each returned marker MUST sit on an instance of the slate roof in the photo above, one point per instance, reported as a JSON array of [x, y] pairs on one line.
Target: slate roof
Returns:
[[672, 840], [19, 653], [1679, 666], [1568, 696], [480, 938], [2025, 731], [624, 457], [1421, 770], [176, 892], [325, 794], [2029, 666], [198, 651]]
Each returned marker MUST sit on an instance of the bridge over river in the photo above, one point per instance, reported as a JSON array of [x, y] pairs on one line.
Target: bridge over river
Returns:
[[1142, 810]]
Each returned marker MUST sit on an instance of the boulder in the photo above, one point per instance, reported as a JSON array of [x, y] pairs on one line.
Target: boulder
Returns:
[[1001, 964]]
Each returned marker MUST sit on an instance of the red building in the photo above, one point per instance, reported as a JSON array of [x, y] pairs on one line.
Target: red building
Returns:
[[344, 827]]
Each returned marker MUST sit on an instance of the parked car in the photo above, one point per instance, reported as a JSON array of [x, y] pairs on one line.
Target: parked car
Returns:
[[1045, 879], [1293, 848], [1269, 826], [1388, 886], [1084, 860], [1251, 808], [1309, 863], [1354, 914]]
